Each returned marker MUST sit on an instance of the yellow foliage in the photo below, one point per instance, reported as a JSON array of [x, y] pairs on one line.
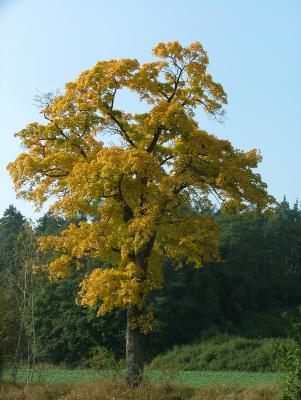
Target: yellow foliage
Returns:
[[137, 194], [114, 287]]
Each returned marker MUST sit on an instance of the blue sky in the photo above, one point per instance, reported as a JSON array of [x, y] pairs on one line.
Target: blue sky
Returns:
[[254, 49]]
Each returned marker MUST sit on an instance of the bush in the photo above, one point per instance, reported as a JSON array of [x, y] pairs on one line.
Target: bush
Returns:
[[225, 352], [9, 323], [291, 358], [101, 358]]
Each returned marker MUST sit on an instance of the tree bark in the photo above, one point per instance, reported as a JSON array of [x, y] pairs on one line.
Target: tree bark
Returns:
[[134, 336], [134, 349]]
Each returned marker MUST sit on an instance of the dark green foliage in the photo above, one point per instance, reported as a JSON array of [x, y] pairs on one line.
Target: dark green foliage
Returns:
[[225, 353], [101, 358], [9, 322], [259, 277], [15, 236], [12, 224], [267, 323], [188, 304], [261, 262], [245, 294], [50, 224], [291, 358], [292, 388], [66, 333]]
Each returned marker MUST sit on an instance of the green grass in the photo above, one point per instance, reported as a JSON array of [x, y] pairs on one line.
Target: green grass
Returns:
[[193, 379], [57, 376], [196, 379], [230, 378]]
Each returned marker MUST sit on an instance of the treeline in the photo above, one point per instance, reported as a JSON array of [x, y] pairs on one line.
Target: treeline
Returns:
[[257, 277]]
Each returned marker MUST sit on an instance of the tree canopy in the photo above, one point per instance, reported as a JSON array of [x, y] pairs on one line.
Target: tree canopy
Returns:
[[136, 194], [138, 191]]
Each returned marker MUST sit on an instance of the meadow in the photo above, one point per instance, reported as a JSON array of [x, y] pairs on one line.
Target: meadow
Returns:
[[183, 373], [191, 379], [60, 384], [77, 384]]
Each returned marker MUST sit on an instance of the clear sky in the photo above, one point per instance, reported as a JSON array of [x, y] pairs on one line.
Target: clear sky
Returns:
[[254, 49]]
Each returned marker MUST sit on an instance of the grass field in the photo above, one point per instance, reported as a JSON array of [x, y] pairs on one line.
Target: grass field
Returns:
[[106, 389], [192, 379], [195, 379]]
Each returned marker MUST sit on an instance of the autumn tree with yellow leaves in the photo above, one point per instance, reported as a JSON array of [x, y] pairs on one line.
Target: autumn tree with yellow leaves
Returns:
[[137, 193]]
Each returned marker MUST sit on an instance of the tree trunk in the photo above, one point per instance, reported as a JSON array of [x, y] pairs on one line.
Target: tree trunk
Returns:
[[134, 349]]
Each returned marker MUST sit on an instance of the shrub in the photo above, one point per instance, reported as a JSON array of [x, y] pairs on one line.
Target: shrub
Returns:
[[101, 358], [291, 358], [225, 352]]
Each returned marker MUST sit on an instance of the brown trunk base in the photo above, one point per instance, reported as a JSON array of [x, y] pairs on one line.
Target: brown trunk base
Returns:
[[134, 350]]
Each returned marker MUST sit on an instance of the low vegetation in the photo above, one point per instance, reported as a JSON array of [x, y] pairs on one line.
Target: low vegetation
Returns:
[[192, 379], [225, 353], [112, 390], [245, 295]]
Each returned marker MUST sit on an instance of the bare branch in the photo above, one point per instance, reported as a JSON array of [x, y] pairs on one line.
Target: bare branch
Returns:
[[128, 212], [122, 129], [182, 186], [155, 139], [47, 173], [176, 84], [166, 159]]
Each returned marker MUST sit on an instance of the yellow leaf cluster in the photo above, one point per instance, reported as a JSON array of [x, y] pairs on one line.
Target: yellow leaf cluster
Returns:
[[113, 287], [137, 194]]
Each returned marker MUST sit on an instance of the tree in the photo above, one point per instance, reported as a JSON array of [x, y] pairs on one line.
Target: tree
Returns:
[[12, 228], [136, 193], [283, 233], [12, 225], [17, 337]]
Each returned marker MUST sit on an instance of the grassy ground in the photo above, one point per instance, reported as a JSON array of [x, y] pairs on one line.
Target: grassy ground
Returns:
[[191, 379], [195, 379], [113, 390]]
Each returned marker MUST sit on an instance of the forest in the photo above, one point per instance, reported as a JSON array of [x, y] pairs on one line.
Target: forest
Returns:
[[245, 293]]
